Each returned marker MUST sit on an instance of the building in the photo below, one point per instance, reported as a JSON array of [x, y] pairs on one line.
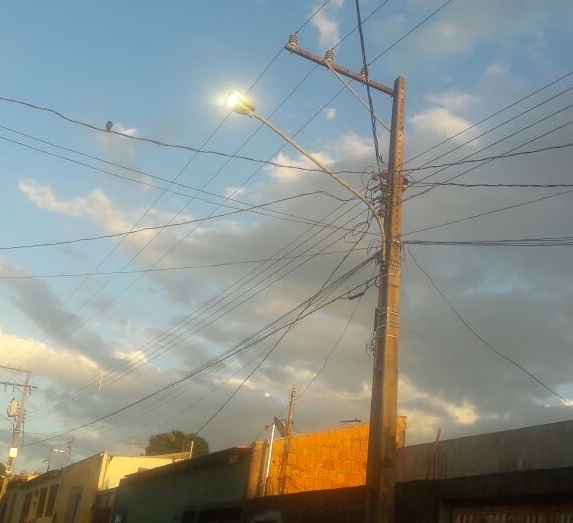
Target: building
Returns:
[[207, 488], [524, 474], [69, 495], [32, 497], [319, 460]]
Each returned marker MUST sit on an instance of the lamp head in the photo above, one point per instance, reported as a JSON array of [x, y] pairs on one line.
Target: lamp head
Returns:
[[239, 104]]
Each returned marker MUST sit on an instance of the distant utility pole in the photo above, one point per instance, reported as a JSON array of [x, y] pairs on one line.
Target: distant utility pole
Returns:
[[380, 474], [286, 448], [70, 448], [17, 412]]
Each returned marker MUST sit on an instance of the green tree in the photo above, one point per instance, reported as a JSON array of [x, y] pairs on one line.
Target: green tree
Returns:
[[176, 441], [2, 469]]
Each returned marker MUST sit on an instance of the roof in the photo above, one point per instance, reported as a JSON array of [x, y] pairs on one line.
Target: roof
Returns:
[[229, 456]]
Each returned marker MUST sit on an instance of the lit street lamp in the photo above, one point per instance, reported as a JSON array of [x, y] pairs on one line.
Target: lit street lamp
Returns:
[[240, 105], [49, 460], [381, 465]]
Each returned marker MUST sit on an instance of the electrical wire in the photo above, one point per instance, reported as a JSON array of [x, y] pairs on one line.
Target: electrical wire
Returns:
[[482, 340], [489, 117], [368, 91], [164, 269], [484, 159], [226, 356], [417, 26]]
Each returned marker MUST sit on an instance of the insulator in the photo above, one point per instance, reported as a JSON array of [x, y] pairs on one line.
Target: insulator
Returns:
[[364, 72], [329, 56], [293, 41]]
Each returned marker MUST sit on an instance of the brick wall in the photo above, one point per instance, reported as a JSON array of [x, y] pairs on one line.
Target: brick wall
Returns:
[[328, 459]]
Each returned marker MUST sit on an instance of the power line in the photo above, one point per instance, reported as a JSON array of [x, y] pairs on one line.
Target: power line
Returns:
[[228, 354], [486, 158], [275, 345], [487, 213], [156, 227], [555, 129], [380, 55], [497, 185], [482, 340], [496, 113], [564, 241], [164, 269], [368, 90], [154, 349]]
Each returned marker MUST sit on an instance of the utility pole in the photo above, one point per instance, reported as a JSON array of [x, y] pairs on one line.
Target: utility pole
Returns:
[[286, 448], [381, 465], [70, 447], [18, 412]]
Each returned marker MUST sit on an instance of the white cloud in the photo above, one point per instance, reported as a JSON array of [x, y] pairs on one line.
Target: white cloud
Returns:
[[452, 99], [438, 123], [234, 192], [293, 175], [329, 113], [43, 196], [497, 69], [353, 147], [327, 25]]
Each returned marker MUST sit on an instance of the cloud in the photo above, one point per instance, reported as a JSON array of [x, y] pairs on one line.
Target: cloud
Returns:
[[329, 113], [497, 69], [43, 196], [438, 123], [327, 25], [452, 100]]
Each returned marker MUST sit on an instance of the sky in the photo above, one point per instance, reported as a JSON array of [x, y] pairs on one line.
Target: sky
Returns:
[[186, 269]]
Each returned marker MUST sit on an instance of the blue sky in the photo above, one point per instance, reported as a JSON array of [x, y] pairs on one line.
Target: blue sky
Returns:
[[107, 323]]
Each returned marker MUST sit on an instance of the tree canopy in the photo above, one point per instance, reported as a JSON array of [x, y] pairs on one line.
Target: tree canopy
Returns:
[[176, 441]]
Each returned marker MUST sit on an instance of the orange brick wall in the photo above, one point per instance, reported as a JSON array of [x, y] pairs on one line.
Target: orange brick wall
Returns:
[[320, 460]]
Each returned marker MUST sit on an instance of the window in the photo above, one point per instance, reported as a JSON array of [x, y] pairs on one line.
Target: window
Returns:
[[52, 500], [41, 502], [25, 508]]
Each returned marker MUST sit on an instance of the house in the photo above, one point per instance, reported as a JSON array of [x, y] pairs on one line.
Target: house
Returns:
[[320, 460], [69, 495], [524, 474], [207, 488], [521, 475], [32, 497]]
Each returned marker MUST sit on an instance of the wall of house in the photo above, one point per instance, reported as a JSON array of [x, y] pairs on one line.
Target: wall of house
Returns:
[[33, 500], [81, 482], [177, 493], [533, 495], [78, 487], [115, 468], [539, 447], [319, 460], [345, 505]]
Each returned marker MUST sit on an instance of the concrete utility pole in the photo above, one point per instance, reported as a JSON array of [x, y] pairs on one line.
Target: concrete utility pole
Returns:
[[18, 413], [287, 435], [380, 475]]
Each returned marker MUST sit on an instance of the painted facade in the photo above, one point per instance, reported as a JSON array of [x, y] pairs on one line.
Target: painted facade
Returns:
[[318, 461], [207, 488], [69, 495], [322, 460], [32, 500]]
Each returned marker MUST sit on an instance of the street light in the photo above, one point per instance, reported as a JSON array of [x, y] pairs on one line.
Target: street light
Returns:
[[381, 465], [240, 105], [49, 460]]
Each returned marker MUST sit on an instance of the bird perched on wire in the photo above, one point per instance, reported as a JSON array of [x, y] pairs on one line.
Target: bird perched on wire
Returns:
[[108, 125]]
